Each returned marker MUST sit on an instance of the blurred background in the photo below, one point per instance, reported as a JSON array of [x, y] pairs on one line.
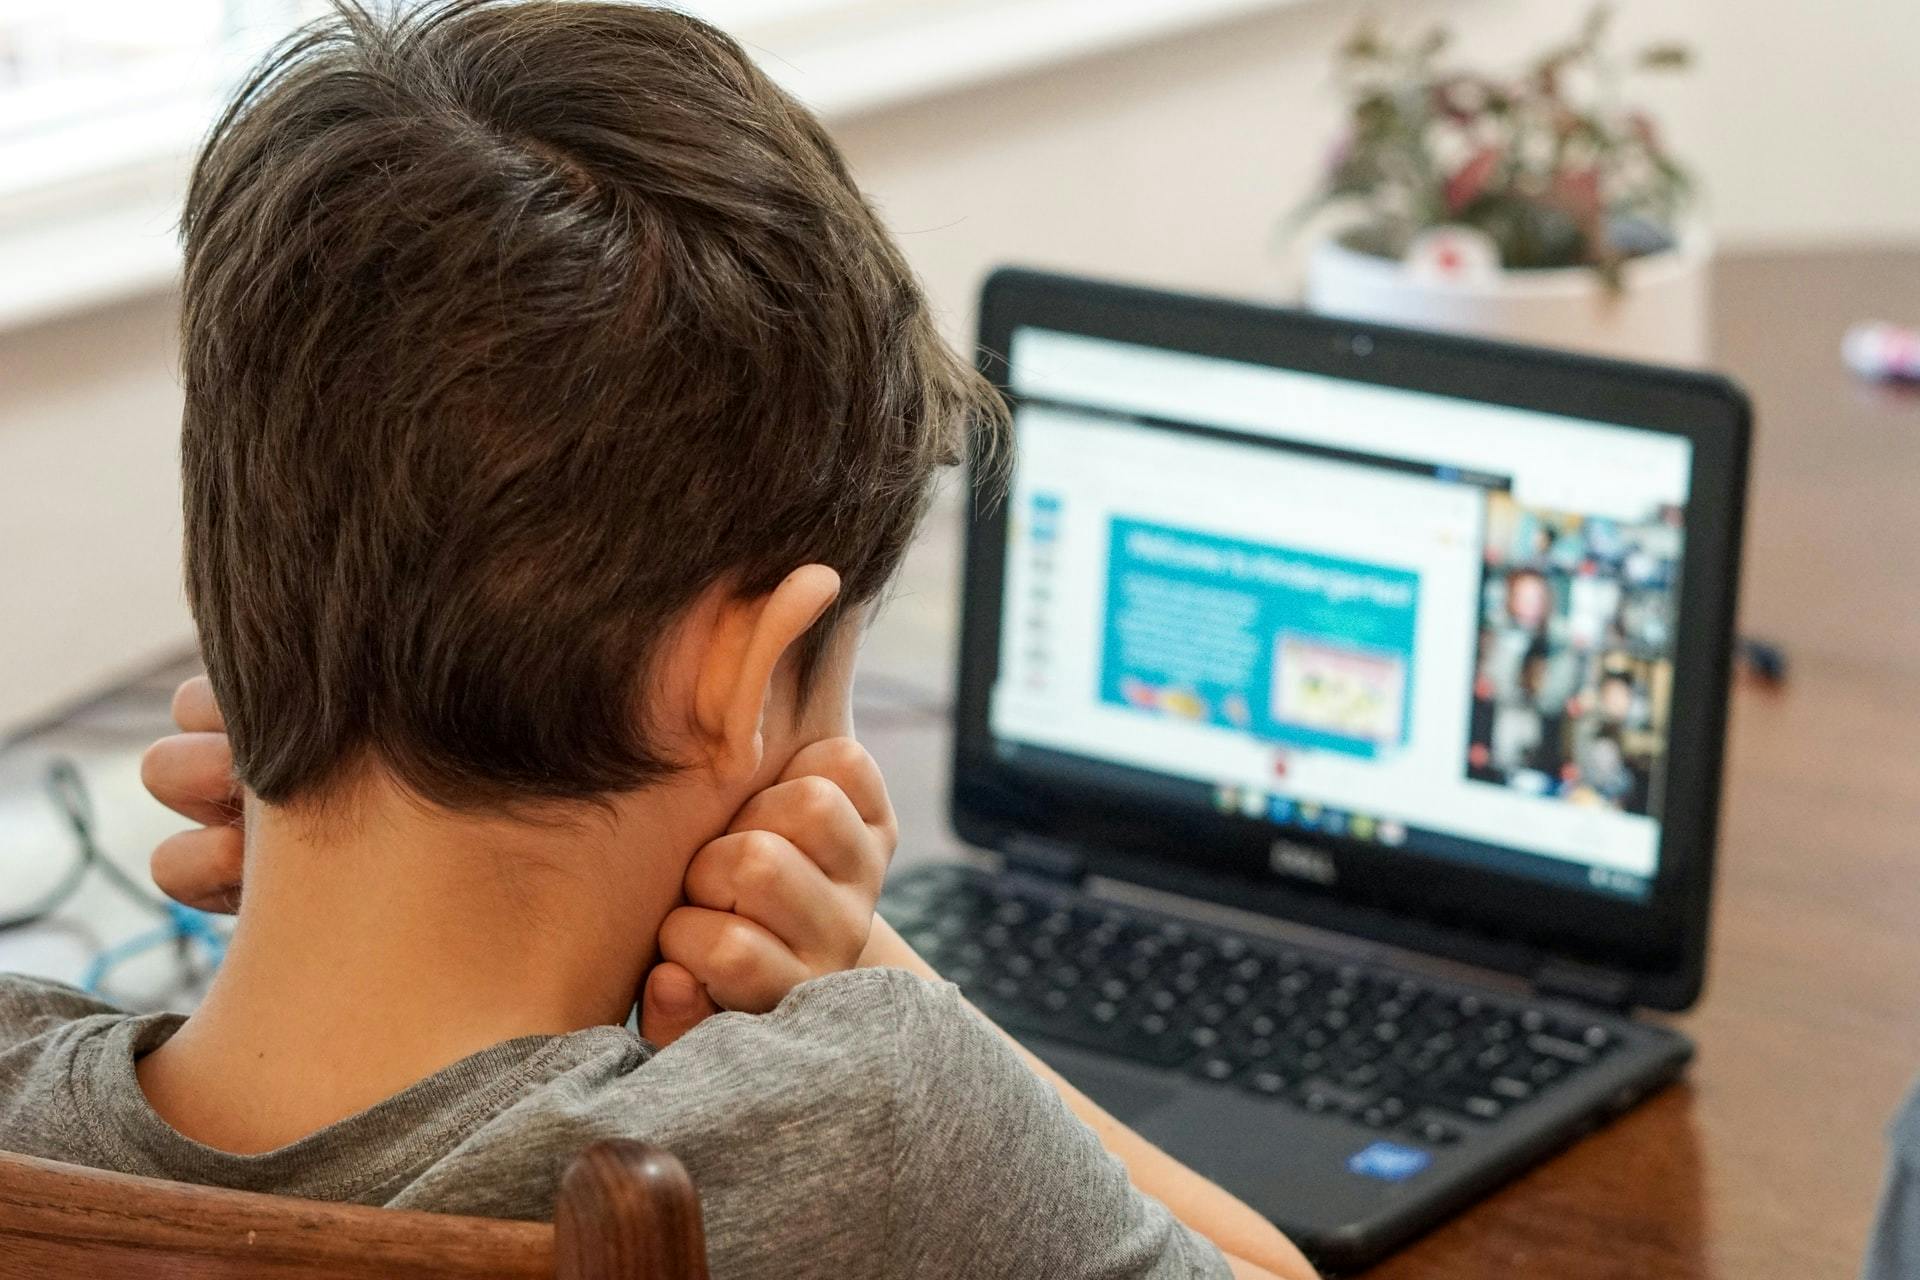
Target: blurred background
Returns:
[[1154, 140]]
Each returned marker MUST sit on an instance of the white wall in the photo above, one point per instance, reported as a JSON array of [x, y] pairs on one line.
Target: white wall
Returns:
[[89, 504], [1173, 164], [1805, 118], [1166, 164]]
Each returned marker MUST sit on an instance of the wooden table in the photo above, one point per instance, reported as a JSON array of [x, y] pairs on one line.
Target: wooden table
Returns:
[[1766, 1162]]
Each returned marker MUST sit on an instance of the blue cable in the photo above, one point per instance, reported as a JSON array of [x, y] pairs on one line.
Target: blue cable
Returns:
[[184, 925]]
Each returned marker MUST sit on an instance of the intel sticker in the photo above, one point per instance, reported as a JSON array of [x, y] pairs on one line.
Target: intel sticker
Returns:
[[1388, 1161]]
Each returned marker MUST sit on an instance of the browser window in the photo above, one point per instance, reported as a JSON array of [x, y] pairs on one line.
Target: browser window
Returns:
[[1404, 619]]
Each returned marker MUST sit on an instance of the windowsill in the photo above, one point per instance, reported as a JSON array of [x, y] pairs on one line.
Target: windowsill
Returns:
[[842, 73], [112, 237], [90, 246]]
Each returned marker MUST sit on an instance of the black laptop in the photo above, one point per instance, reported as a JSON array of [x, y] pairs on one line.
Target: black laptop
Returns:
[[1344, 707]]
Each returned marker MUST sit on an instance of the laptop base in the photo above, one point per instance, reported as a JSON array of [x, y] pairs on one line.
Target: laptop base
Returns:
[[1383, 1101]]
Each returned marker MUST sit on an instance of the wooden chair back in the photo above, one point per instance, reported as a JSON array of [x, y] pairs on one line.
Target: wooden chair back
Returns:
[[626, 1211]]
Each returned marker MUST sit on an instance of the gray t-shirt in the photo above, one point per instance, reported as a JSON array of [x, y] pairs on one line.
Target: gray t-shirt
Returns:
[[1893, 1252], [872, 1125]]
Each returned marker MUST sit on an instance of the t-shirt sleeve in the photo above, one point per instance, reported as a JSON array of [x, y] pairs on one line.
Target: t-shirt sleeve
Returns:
[[994, 1176], [31, 1006], [1893, 1252]]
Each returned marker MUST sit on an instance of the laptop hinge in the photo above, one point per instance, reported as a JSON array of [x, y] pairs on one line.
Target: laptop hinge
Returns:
[[1044, 859], [1587, 984]]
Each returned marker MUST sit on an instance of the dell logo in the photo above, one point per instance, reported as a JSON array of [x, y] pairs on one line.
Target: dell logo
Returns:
[[1302, 862]]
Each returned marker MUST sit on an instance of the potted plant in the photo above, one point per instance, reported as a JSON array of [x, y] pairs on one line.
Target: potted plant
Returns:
[[1535, 207]]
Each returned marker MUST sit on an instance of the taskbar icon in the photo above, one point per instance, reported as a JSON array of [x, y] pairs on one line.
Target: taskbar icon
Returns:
[[1312, 815]]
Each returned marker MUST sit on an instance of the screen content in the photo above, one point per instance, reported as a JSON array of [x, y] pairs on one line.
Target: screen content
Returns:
[[1409, 620]]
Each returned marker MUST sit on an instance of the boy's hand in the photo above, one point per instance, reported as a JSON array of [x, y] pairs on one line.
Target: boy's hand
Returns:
[[787, 894], [192, 774]]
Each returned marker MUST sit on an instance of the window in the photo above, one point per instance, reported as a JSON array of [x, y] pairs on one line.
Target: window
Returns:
[[89, 88], [102, 101]]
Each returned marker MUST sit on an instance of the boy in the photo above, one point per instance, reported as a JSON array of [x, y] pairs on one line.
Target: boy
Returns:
[[555, 408]]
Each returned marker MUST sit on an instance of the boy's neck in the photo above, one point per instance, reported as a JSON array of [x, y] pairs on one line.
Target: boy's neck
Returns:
[[369, 954]]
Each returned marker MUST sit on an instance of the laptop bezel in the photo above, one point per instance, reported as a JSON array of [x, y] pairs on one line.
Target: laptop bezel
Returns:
[[1654, 949]]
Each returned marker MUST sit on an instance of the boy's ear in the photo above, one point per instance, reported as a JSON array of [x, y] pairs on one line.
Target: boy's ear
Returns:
[[744, 648]]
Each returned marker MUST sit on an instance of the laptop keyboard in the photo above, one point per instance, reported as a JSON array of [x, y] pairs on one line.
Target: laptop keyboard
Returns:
[[1304, 1029]]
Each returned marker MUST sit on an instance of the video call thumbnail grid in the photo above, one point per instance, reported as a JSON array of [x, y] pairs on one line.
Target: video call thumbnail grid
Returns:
[[1575, 658]]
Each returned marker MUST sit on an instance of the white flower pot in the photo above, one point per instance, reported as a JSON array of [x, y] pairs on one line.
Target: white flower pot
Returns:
[[1659, 315]]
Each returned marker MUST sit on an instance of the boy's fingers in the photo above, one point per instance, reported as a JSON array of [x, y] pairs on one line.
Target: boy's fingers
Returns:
[[741, 965], [847, 764], [762, 876], [201, 868], [672, 1004], [192, 774], [194, 709], [816, 815]]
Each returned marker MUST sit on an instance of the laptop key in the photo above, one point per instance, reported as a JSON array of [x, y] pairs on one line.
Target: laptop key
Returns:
[[1436, 1132], [1263, 1080], [1361, 1076], [1140, 968], [1565, 1050], [1256, 1049], [1459, 1095], [1512, 1089], [1546, 1071], [1262, 1025], [1322, 1096], [1481, 1108], [1215, 1067], [1383, 1112]]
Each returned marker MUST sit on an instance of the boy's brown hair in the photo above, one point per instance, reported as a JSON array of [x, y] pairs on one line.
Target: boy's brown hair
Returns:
[[510, 328]]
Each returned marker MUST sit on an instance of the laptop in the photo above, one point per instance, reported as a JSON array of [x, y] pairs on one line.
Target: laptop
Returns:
[[1341, 708]]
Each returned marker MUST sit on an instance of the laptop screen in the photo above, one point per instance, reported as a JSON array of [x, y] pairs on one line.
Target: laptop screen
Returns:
[[1404, 619]]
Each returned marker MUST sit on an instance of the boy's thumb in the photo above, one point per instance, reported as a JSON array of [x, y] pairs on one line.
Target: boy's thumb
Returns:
[[672, 1004]]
